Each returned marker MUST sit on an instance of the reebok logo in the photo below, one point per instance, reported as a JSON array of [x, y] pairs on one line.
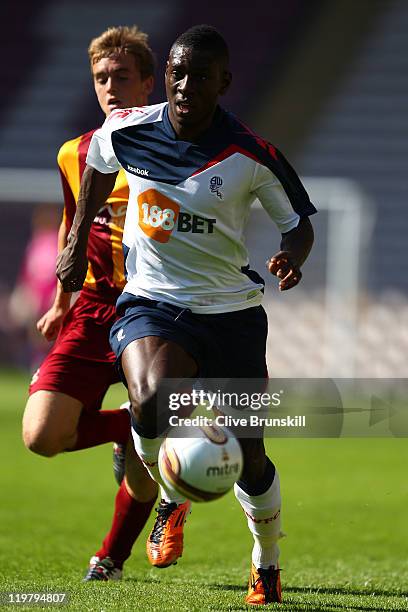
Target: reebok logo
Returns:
[[139, 171]]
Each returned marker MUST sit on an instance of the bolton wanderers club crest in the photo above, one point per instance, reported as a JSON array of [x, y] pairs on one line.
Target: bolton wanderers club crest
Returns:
[[215, 186]]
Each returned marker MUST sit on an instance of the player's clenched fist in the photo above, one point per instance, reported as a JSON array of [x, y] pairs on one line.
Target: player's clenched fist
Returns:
[[283, 266], [50, 323], [71, 269]]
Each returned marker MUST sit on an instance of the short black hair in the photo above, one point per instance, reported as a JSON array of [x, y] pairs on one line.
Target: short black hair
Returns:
[[206, 38]]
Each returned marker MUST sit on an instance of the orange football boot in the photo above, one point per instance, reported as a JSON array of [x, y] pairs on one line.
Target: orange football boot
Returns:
[[264, 586], [165, 542]]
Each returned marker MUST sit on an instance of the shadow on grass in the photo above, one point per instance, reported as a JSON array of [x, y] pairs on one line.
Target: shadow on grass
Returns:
[[346, 591], [318, 607], [296, 606]]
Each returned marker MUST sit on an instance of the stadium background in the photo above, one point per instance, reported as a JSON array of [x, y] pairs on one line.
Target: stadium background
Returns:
[[327, 82]]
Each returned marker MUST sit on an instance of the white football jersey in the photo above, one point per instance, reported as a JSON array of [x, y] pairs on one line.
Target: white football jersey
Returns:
[[189, 204]]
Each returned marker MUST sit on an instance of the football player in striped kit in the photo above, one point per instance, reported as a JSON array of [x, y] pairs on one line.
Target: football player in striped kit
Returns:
[[65, 395]]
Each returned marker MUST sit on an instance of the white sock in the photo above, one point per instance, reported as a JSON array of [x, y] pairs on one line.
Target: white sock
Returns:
[[148, 451], [263, 515], [170, 495]]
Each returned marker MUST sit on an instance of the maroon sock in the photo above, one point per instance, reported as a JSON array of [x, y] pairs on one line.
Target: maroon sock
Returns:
[[96, 428], [129, 518]]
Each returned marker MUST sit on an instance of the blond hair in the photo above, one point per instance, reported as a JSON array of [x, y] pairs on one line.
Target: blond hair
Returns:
[[123, 39]]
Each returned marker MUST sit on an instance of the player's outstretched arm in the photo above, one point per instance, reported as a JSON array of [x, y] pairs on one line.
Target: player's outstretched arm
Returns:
[[72, 263], [295, 248]]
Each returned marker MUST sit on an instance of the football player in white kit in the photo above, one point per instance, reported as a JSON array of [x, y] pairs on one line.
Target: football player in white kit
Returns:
[[191, 306]]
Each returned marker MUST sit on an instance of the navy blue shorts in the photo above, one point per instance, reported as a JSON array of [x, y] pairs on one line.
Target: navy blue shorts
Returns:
[[225, 345]]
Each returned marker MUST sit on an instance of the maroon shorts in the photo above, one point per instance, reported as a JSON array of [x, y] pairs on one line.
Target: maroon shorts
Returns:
[[81, 363]]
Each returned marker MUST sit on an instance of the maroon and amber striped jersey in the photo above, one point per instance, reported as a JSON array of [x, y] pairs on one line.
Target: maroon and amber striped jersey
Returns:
[[105, 273]]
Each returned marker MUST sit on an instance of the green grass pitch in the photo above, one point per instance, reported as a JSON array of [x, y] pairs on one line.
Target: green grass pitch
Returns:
[[345, 514]]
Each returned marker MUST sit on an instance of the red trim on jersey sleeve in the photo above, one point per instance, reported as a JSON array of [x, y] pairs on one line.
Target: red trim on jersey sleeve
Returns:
[[122, 113], [223, 155], [261, 141], [270, 149]]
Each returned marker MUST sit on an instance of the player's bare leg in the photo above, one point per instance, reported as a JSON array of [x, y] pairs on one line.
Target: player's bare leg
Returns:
[[50, 422], [55, 422], [145, 363]]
